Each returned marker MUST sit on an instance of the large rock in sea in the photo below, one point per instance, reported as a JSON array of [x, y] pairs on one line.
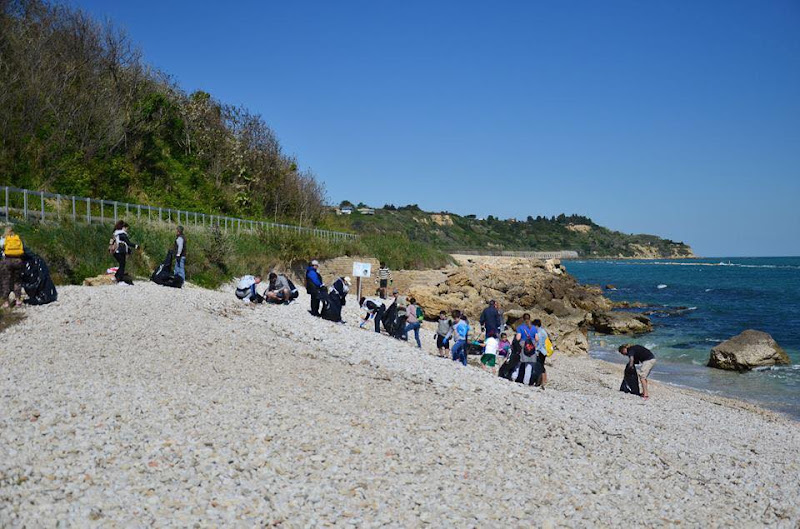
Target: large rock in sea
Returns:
[[620, 323], [748, 350]]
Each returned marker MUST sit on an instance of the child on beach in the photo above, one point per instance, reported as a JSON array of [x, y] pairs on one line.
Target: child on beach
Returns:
[[504, 346], [489, 357], [460, 331]]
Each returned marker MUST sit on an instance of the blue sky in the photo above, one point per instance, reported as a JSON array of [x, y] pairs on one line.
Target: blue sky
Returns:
[[676, 118]]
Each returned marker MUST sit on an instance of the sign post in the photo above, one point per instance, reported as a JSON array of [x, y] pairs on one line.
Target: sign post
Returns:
[[361, 270]]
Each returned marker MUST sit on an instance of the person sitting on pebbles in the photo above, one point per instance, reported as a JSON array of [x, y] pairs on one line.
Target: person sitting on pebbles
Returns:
[[643, 360]]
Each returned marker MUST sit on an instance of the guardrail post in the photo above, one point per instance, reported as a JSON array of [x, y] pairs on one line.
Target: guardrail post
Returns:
[[41, 199], [102, 212], [115, 212], [88, 211], [58, 206], [138, 211], [25, 204], [127, 211]]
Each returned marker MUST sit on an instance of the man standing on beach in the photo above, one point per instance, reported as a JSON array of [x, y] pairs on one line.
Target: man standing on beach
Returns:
[[491, 320], [313, 286], [180, 253], [384, 277], [645, 359]]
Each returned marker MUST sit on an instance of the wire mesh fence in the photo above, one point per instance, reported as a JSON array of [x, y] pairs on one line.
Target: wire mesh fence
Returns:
[[25, 204]]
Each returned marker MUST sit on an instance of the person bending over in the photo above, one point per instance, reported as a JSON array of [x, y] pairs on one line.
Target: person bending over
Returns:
[[375, 309], [643, 360], [246, 289]]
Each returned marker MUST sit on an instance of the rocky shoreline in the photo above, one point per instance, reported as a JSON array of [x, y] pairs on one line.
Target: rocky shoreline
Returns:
[[147, 405]]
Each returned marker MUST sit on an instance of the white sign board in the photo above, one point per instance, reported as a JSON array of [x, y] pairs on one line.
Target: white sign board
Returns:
[[362, 269]]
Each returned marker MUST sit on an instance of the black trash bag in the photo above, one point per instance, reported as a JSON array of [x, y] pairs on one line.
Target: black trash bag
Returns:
[[527, 373], [163, 275], [294, 293], [35, 279], [400, 326], [474, 349], [332, 308], [630, 382], [389, 319], [509, 366]]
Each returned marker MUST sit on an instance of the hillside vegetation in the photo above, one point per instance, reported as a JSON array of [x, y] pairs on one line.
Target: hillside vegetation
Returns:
[[452, 232], [75, 251], [81, 113]]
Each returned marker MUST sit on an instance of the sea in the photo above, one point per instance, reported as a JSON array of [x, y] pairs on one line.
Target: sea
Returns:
[[695, 304]]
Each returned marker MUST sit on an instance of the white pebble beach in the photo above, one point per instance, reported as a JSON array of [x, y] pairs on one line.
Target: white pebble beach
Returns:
[[145, 405]]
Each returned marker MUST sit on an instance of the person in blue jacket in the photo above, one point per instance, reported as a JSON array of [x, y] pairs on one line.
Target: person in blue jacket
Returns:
[[314, 286]]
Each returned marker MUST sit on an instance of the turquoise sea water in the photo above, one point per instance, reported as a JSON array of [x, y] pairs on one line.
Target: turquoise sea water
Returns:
[[702, 302]]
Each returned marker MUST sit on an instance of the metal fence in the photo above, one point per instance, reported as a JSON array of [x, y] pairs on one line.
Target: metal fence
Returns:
[[25, 204]]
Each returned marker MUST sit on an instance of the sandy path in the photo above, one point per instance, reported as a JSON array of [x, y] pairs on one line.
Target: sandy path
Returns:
[[191, 407]]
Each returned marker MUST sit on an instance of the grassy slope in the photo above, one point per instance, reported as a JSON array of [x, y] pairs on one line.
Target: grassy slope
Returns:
[[467, 233], [75, 251]]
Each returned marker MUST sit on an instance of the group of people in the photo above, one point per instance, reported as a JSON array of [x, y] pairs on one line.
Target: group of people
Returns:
[[326, 302], [120, 247], [279, 289]]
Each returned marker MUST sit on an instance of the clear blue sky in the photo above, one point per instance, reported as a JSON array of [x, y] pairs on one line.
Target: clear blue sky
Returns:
[[678, 118]]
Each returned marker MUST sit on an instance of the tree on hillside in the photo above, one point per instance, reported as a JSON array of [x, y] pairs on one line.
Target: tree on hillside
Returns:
[[81, 113]]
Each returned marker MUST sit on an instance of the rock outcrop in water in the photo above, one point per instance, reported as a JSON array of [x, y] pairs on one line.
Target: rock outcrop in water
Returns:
[[748, 350], [621, 323]]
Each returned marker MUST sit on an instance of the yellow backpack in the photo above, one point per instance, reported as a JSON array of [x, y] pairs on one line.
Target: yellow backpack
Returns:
[[13, 246], [549, 346]]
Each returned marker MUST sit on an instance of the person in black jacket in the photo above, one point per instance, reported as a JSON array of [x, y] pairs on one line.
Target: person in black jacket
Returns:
[[336, 299], [643, 360], [491, 320], [122, 247]]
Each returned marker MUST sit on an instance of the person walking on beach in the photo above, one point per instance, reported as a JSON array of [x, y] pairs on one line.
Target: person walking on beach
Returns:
[[313, 286], [444, 329], [413, 323], [120, 247], [12, 264], [490, 320], [460, 332], [180, 253], [384, 278], [643, 360], [540, 338]]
